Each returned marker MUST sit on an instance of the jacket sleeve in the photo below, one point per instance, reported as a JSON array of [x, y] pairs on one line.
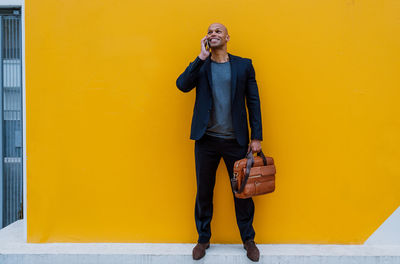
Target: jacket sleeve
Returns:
[[187, 80], [253, 103]]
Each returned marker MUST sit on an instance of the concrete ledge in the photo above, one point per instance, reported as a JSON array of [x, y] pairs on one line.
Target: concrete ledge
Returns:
[[14, 250]]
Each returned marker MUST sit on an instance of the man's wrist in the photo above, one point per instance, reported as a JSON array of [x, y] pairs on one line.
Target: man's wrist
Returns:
[[202, 57]]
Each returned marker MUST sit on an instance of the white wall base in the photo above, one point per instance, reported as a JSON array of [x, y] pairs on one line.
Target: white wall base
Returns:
[[13, 249], [388, 233]]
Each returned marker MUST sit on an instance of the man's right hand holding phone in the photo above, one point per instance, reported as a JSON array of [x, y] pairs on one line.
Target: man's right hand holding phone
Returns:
[[205, 49]]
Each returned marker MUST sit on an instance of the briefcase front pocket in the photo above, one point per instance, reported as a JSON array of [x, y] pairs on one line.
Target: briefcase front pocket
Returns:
[[261, 181]]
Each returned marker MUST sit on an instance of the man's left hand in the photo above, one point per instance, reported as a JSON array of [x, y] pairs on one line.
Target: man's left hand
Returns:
[[255, 146]]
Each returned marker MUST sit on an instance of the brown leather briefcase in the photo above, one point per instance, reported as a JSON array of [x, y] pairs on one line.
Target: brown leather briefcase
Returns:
[[253, 175]]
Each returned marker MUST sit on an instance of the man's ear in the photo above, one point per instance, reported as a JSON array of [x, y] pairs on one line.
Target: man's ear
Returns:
[[227, 37]]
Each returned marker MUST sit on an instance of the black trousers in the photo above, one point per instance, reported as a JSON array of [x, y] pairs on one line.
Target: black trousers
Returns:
[[208, 152]]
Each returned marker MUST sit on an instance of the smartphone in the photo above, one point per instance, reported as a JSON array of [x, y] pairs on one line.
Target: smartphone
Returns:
[[207, 45]]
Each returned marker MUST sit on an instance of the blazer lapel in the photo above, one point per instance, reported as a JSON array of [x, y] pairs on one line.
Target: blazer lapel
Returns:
[[233, 76], [208, 71]]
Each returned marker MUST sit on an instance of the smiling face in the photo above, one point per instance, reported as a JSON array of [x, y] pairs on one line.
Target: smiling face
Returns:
[[217, 35]]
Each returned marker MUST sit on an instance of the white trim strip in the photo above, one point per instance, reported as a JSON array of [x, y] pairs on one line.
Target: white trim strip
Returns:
[[9, 3], [388, 233]]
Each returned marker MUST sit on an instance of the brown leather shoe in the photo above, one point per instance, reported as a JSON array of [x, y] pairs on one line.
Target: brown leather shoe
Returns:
[[252, 251], [200, 250]]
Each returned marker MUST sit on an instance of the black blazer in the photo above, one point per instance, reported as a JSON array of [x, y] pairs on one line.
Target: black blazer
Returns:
[[244, 85]]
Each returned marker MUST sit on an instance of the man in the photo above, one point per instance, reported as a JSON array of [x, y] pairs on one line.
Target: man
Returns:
[[219, 127]]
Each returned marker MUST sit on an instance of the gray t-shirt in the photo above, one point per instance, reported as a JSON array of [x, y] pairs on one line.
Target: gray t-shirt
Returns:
[[220, 124]]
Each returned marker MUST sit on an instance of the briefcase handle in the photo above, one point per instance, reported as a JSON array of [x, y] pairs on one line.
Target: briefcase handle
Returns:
[[249, 165], [249, 156]]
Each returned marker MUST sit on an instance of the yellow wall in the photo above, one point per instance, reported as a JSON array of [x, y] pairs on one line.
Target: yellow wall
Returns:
[[108, 152]]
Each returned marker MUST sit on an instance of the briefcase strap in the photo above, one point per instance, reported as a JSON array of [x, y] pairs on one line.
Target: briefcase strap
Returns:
[[249, 165]]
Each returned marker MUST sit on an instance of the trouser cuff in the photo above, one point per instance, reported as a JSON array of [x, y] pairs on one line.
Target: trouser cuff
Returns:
[[203, 240]]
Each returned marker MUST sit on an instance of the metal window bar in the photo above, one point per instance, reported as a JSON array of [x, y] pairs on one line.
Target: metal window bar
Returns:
[[11, 123]]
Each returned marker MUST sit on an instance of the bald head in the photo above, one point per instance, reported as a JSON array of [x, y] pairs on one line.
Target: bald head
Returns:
[[217, 36], [218, 25]]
